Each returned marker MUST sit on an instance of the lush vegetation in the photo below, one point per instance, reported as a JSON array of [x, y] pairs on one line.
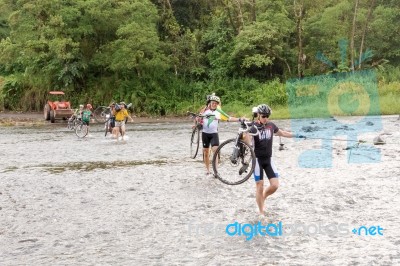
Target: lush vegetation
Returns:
[[165, 56]]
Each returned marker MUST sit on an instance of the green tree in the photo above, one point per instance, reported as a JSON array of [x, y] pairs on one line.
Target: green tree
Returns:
[[261, 46]]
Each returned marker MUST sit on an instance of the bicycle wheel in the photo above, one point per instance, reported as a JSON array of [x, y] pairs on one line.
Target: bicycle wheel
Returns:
[[81, 129], [100, 114], [107, 127], [70, 124], [194, 142], [235, 164]]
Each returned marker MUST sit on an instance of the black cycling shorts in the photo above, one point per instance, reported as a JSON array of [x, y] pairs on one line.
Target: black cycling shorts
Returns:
[[208, 139], [265, 164]]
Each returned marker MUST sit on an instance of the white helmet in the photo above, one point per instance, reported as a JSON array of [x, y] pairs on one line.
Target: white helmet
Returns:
[[215, 98], [264, 109]]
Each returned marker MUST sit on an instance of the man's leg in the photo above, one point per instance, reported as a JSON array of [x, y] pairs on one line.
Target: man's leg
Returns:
[[123, 131], [259, 196], [273, 186], [117, 129]]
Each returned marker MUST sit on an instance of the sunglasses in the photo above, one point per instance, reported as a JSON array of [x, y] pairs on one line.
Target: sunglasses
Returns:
[[264, 116]]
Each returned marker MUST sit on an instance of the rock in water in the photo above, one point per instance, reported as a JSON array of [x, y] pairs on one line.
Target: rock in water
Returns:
[[379, 141]]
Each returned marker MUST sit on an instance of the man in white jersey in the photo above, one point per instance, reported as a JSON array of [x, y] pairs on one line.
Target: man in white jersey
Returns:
[[212, 115]]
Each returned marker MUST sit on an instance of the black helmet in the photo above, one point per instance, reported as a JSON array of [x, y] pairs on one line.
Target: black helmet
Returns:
[[264, 109]]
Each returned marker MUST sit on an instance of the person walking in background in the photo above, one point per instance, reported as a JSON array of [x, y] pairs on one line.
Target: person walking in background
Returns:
[[121, 114], [86, 115]]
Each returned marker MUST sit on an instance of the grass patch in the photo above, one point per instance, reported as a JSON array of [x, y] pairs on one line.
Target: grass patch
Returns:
[[91, 166]]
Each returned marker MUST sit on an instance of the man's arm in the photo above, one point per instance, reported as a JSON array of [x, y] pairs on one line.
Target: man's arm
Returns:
[[284, 133], [287, 134], [127, 115]]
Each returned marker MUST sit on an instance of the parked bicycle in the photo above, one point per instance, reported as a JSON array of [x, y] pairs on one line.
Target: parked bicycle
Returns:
[[234, 160]]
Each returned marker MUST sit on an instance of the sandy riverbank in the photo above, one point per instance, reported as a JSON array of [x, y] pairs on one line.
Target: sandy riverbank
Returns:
[[36, 118], [71, 201]]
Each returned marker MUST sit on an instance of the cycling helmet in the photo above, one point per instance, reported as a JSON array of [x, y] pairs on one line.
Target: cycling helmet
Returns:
[[122, 104], [264, 109], [215, 98], [81, 106], [89, 106]]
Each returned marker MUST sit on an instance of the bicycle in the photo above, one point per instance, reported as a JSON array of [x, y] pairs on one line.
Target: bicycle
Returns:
[[100, 114], [81, 129], [195, 137], [72, 120], [108, 124], [103, 113], [236, 157]]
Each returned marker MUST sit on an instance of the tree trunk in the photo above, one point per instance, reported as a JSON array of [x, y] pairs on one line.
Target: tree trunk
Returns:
[[353, 32], [230, 16], [364, 32], [168, 3], [298, 12], [253, 11], [240, 15]]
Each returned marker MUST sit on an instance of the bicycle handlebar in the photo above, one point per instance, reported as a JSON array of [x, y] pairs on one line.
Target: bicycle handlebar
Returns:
[[246, 126], [199, 115]]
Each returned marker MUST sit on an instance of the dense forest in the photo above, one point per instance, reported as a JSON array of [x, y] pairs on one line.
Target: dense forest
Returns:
[[165, 56]]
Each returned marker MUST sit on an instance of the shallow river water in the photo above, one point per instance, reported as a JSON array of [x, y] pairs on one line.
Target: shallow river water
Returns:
[[94, 201]]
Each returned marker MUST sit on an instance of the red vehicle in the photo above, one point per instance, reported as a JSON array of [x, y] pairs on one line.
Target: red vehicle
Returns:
[[56, 107]]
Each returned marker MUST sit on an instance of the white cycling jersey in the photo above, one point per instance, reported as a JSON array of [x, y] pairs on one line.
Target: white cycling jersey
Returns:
[[210, 124]]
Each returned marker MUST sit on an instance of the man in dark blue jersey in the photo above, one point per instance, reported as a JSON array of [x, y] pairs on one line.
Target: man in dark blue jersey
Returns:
[[262, 144]]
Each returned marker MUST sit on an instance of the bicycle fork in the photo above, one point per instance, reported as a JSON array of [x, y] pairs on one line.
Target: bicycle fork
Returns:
[[235, 153]]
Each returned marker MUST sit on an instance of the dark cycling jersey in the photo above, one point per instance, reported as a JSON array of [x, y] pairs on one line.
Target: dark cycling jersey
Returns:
[[263, 141]]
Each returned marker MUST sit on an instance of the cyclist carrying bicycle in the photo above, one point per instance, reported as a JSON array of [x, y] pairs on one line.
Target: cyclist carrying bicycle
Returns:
[[76, 115], [211, 115], [199, 120], [86, 115], [121, 114], [262, 144]]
